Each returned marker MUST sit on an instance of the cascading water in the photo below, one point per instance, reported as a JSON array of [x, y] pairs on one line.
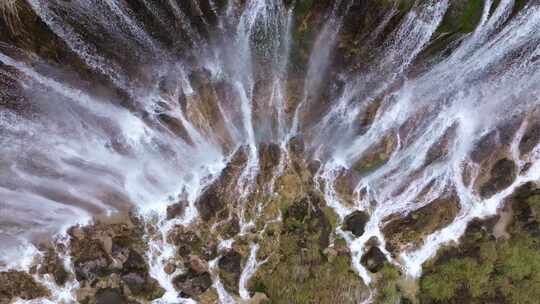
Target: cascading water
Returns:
[[198, 116]]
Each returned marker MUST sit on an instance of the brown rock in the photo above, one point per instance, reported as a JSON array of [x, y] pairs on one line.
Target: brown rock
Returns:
[[18, 284], [220, 194], [373, 259], [110, 296], [530, 139], [176, 210], [230, 265], [169, 268], [356, 222], [197, 265], [411, 230], [503, 173], [376, 156], [192, 284]]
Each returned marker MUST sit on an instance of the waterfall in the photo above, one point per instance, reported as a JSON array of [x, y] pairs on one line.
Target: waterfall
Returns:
[[141, 105]]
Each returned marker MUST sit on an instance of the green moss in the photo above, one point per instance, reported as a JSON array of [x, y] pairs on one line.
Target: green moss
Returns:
[[299, 272], [534, 204], [457, 274], [463, 16], [303, 7], [372, 164], [405, 5], [331, 216], [386, 285]]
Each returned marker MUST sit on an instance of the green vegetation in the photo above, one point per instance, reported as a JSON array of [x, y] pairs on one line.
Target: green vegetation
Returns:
[[300, 269], [386, 285], [485, 270]]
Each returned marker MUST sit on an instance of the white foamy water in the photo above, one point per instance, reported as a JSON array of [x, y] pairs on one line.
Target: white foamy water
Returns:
[[156, 115]]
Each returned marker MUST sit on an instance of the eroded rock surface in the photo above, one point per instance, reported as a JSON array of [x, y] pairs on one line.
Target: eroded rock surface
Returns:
[[19, 284], [109, 263], [409, 231]]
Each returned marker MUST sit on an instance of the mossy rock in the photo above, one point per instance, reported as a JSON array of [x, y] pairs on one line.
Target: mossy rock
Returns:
[[413, 228], [18, 284], [462, 16], [483, 269], [298, 271], [376, 156]]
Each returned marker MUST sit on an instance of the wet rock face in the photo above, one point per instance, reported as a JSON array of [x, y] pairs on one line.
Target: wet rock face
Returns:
[[530, 139], [220, 194], [503, 173], [376, 156], [176, 210], [110, 296], [345, 185], [356, 222], [18, 284], [230, 265], [53, 265], [410, 231], [269, 158]]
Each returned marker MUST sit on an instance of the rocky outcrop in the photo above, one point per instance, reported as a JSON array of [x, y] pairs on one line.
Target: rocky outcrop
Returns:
[[230, 269], [502, 174], [220, 194], [302, 266], [53, 265], [356, 222], [376, 156], [109, 263], [176, 210], [269, 158], [530, 139], [192, 284], [19, 284], [409, 231]]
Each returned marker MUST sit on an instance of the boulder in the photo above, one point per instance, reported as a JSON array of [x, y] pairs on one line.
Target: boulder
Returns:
[[373, 259], [230, 265], [356, 222], [53, 265], [220, 193], [192, 284], [176, 210], [197, 265]]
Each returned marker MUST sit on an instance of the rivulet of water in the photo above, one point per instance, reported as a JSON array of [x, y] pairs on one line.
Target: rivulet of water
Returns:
[[178, 103]]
